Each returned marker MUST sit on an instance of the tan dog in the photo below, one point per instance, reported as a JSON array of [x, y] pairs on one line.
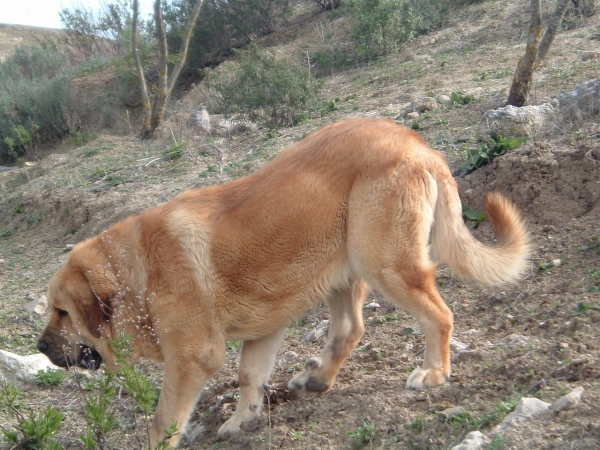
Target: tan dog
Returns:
[[352, 205]]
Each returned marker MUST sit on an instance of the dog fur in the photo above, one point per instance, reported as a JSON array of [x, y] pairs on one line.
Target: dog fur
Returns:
[[360, 203]]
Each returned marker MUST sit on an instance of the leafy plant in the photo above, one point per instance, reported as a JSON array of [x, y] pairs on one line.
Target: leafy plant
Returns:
[[5, 233], [33, 430], [495, 146], [460, 99], [174, 151], [363, 434], [474, 216], [51, 377]]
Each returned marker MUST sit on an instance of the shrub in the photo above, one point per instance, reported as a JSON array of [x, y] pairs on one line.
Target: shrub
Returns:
[[380, 26], [267, 90], [33, 98]]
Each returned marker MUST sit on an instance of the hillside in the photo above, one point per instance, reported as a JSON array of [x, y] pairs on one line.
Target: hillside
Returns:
[[540, 337]]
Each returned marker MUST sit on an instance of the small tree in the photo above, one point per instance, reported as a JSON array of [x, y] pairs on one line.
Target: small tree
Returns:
[[538, 46], [153, 107]]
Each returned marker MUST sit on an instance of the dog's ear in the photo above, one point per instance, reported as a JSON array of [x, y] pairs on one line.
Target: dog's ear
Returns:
[[97, 313]]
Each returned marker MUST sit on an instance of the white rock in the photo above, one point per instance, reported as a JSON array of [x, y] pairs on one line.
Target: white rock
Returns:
[[525, 410], [514, 340], [513, 121], [22, 368], [457, 346], [413, 115], [556, 262], [471, 331], [475, 440], [373, 305], [37, 305], [443, 99], [581, 103], [69, 246], [422, 105], [318, 333], [290, 357], [568, 401]]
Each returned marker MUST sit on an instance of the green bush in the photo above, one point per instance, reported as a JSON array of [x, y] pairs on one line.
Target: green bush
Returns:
[[33, 98], [267, 90], [380, 26]]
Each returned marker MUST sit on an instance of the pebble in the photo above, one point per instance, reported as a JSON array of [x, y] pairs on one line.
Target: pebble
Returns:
[[373, 306], [475, 440], [412, 115], [290, 357], [525, 410], [568, 401]]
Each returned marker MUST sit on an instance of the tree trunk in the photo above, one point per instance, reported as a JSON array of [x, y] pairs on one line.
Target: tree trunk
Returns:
[[140, 72], [559, 13], [154, 111], [519, 91]]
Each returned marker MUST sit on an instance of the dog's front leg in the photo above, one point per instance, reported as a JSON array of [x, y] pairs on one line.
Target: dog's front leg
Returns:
[[256, 365], [187, 369]]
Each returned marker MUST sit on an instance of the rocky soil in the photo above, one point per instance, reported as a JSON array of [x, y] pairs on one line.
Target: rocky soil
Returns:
[[538, 339]]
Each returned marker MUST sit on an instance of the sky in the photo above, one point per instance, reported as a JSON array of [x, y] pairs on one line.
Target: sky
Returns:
[[44, 13]]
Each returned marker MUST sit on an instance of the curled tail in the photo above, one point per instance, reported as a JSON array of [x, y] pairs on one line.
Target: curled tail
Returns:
[[453, 243]]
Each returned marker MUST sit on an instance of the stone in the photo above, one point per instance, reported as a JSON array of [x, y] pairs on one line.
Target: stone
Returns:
[[457, 346], [514, 340], [22, 368], [318, 333], [413, 115], [568, 401], [453, 412], [38, 305], [525, 410], [421, 105], [199, 121], [475, 440], [581, 103], [443, 99], [513, 121], [373, 306], [290, 357]]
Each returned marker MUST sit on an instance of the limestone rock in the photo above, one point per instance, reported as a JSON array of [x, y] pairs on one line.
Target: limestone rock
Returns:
[[568, 401], [525, 410], [318, 333], [422, 105], [22, 368], [475, 440]]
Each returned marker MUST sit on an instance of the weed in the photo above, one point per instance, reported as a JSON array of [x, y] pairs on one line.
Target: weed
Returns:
[[174, 151], [474, 216], [33, 430], [584, 308], [495, 146], [234, 346], [17, 209], [5, 233], [296, 435], [543, 267], [51, 377], [363, 434], [418, 424], [497, 443], [459, 99], [89, 152], [33, 219]]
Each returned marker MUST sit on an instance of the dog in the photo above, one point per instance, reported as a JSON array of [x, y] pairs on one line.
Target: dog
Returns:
[[361, 203]]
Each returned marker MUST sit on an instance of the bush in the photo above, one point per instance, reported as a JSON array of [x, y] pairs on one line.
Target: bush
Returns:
[[33, 98], [380, 26], [266, 89]]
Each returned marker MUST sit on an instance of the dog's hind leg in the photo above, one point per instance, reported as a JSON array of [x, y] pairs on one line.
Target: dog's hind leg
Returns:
[[345, 330], [256, 365]]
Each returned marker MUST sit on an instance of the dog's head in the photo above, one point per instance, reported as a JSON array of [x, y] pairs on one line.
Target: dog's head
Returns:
[[79, 328]]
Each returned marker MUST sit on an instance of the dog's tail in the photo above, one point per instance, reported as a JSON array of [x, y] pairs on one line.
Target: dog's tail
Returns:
[[453, 243]]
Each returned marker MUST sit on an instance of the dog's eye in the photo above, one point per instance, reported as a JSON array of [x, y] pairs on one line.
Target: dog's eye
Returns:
[[62, 313]]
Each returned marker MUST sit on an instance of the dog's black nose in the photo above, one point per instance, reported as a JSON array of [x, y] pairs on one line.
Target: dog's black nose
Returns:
[[42, 345]]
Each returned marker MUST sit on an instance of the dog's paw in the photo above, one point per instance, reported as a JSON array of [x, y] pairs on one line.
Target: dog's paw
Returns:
[[308, 381], [421, 378], [230, 428]]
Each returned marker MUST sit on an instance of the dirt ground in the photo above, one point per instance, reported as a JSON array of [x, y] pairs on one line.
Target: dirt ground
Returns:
[[539, 337]]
